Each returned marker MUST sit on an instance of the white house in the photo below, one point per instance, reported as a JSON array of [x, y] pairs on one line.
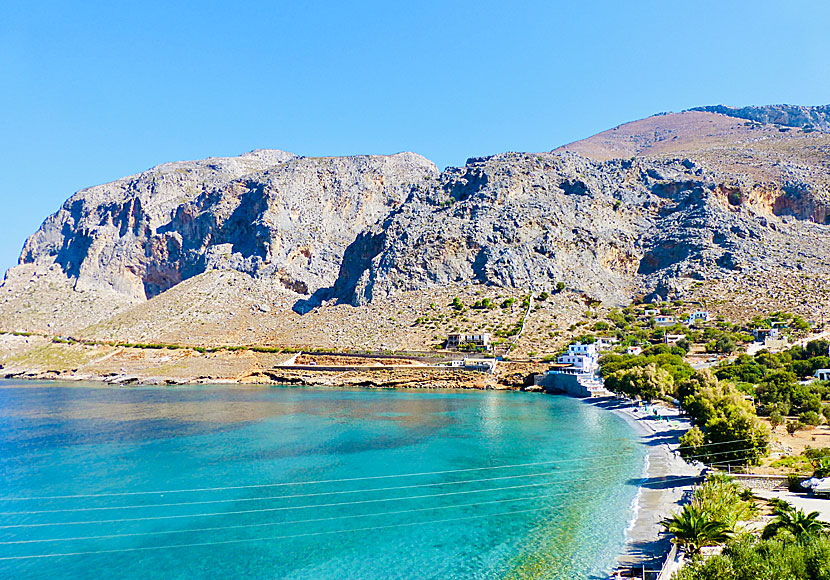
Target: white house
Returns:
[[635, 350], [487, 365], [822, 374], [460, 340], [665, 320], [651, 312], [473, 364], [606, 342], [762, 334], [674, 338], [701, 315], [583, 358]]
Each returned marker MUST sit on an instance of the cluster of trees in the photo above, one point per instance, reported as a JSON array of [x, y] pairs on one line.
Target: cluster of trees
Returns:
[[668, 358], [773, 379], [718, 337], [752, 559], [794, 546], [726, 429]]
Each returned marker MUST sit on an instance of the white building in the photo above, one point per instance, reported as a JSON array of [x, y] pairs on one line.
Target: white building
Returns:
[[634, 350], [762, 334], [461, 340], [701, 315], [823, 374], [674, 338], [606, 342], [582, 358], [487, 365], [664, 320]]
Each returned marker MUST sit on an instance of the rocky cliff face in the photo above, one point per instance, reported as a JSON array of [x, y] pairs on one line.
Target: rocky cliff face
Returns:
[[266, 213], [609, 229], [650, 207]]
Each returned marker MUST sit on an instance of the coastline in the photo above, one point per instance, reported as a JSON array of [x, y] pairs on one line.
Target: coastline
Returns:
[[667, 479], [667, 483]]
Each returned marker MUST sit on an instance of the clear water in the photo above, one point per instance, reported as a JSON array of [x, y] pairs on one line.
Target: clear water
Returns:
[[109, 446]]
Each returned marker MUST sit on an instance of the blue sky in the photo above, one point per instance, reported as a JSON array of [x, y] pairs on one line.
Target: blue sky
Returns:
[[92, 91]]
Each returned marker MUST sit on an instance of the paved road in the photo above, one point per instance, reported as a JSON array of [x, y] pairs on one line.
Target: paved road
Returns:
[[808, 504]]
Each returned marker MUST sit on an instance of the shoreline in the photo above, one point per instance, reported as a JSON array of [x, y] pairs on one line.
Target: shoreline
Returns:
[[665, 485], [665, 481]]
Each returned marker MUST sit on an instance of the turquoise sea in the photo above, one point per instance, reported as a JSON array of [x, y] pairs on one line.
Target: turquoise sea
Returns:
[[309, 484]]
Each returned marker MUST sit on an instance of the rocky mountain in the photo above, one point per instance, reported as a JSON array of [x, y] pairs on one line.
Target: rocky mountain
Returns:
[[266, 213], [809, 118], [657, 206]]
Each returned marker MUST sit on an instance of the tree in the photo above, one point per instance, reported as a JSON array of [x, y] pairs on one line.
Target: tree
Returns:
[[560, 286], [723, 501], [692, 528], [810, 418], [732, 433], [647, 382], [684, 344], [724, 344], [794, 521], [776, 419], [793, 426]]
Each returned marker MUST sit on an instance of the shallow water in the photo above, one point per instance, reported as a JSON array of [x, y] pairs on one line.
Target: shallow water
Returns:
[[300, 483]]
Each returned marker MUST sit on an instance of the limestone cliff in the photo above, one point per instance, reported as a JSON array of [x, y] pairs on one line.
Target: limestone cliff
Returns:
[[649, 207]]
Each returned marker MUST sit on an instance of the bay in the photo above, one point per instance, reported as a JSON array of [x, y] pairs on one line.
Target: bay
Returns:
[[296, 483]]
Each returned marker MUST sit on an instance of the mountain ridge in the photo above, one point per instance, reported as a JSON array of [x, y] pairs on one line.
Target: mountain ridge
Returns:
[[654, 207]]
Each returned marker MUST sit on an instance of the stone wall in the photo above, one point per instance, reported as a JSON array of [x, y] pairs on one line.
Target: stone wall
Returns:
[[771, 482]]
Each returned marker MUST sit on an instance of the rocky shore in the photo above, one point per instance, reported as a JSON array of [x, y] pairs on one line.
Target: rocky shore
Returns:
[[37, 358]]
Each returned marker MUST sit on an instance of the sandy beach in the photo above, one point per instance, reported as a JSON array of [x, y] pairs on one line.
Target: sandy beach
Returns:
[[667, 481]]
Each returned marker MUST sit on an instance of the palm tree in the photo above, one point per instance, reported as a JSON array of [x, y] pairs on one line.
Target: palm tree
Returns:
[[693, 529], [795, 521]]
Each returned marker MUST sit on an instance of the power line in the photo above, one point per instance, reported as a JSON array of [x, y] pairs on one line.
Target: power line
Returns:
[[322, 481], [344, 480], [309, 506], [312, 520], [275, 509], [293, 496], [271, 538]]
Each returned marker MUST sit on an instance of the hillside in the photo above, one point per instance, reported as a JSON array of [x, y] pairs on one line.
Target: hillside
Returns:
[[356, 252]]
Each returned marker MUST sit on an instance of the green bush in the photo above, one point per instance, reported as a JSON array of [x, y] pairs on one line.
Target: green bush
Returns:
[[810, 418], [793, 426], [750, 558]]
